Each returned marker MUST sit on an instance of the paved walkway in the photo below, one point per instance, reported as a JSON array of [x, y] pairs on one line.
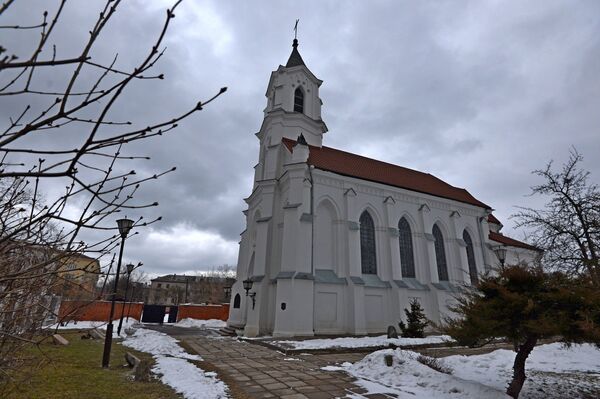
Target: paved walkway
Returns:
[[253, 371]]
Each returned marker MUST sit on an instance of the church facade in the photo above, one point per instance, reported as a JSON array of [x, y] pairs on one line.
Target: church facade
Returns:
[[337, 243]]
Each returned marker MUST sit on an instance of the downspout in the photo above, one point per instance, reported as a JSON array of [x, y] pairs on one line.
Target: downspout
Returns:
[[487, 266], [312, 214], [312, 236]]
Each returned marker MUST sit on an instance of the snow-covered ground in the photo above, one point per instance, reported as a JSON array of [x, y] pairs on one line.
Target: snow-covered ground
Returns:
[[174, 367], [553, 371], [211, 323], [100, 325], [550, 368], [362, 342]]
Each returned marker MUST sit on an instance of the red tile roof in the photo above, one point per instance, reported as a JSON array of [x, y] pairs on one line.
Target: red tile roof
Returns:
[[511, 242], [348, 164], [492, 219]]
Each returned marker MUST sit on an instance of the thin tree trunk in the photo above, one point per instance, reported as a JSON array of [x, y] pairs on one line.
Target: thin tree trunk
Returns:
[[519, 366]]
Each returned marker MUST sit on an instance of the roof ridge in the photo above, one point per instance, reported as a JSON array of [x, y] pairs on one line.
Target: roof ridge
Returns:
[[385, 173], [380, 161]]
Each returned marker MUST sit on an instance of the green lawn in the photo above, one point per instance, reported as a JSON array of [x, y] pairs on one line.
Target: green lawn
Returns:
[[75, 371]]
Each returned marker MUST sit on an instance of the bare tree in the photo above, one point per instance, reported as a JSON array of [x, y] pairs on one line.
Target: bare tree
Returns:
[[66, 138], [567, 228]]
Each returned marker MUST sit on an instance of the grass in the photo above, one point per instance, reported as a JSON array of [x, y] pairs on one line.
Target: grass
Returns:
[[75, 371]]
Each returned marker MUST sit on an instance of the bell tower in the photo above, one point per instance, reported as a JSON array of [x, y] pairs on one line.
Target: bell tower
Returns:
[[293, 104]]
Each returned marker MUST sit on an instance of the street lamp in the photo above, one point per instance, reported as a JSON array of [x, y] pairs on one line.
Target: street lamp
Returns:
[[130, 268], [248, 286], [125, 226], [501, 254]]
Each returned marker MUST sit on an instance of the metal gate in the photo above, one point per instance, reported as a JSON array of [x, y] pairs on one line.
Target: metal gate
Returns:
[[173, 314], [153, 313]]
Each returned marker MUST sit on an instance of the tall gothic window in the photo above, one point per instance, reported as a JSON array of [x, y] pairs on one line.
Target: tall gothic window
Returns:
[[299, 100], [368, 260], [236, 301], [471, 258], [440, 254], [407, 259]]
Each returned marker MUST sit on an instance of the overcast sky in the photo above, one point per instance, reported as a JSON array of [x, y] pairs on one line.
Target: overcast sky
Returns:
[[477, 93]]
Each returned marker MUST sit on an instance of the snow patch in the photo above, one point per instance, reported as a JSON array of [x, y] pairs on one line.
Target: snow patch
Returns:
[[495, 369], [480, 376], [210, 323], [174, 368], [157, 343], [363, 342], [189, 380], [100, 325], [407, 378]]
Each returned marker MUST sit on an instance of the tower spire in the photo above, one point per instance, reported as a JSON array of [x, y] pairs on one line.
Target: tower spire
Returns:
[[295, 58]]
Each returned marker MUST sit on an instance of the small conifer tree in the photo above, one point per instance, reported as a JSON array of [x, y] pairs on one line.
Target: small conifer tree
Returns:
[[416, 321], [524, 305]]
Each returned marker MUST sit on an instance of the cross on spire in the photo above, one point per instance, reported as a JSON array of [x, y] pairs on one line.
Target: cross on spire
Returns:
[[296, 30]]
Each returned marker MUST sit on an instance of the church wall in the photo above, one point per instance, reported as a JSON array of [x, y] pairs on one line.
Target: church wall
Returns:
[[383, 306], [329, 313]]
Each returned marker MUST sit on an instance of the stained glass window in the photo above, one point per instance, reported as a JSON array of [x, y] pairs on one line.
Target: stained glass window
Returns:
[[440, 254], [368, 259], [407, 259], [471, 258]]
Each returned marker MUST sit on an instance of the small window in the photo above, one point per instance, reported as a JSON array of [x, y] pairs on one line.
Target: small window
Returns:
[[167, 285], [158, 285], [236, 301], [299, 100]]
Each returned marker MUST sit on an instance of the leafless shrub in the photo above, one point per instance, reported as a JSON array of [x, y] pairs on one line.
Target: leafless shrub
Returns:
[[65, 138]]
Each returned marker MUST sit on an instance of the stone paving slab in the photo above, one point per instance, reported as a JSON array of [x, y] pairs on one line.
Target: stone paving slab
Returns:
[[254, 371]]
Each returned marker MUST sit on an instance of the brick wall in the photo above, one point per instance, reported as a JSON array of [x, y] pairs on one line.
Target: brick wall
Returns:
[[203, 312], [97, 310]]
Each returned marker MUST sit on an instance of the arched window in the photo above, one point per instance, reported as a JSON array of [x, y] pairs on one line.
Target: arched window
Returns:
[[407, 259], [471, 258], [299, 100], [368, 260], [236, 301], [440, 254]]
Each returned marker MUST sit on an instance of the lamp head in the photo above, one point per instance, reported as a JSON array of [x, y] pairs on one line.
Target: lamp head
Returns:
[[125, 226], [501, 253], [247, 285], [130, 268]]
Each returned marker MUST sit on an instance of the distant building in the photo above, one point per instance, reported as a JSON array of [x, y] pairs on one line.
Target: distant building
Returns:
[[78, 276], [174, 289], [338, 243]]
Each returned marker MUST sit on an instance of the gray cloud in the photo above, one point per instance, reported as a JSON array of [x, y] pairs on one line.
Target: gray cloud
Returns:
[[478, 94]]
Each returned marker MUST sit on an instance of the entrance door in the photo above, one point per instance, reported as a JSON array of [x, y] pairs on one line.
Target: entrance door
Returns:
[[153, 313], [173, 314]]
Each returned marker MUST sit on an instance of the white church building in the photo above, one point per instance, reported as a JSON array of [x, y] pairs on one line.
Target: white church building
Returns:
[[337, 243]]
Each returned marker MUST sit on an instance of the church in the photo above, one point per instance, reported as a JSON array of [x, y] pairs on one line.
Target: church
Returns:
[[337, 243]]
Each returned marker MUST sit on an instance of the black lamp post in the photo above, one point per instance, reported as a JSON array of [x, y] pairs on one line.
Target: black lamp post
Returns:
[[130, 268], [125, 226], [248, 286], [501, 254]]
